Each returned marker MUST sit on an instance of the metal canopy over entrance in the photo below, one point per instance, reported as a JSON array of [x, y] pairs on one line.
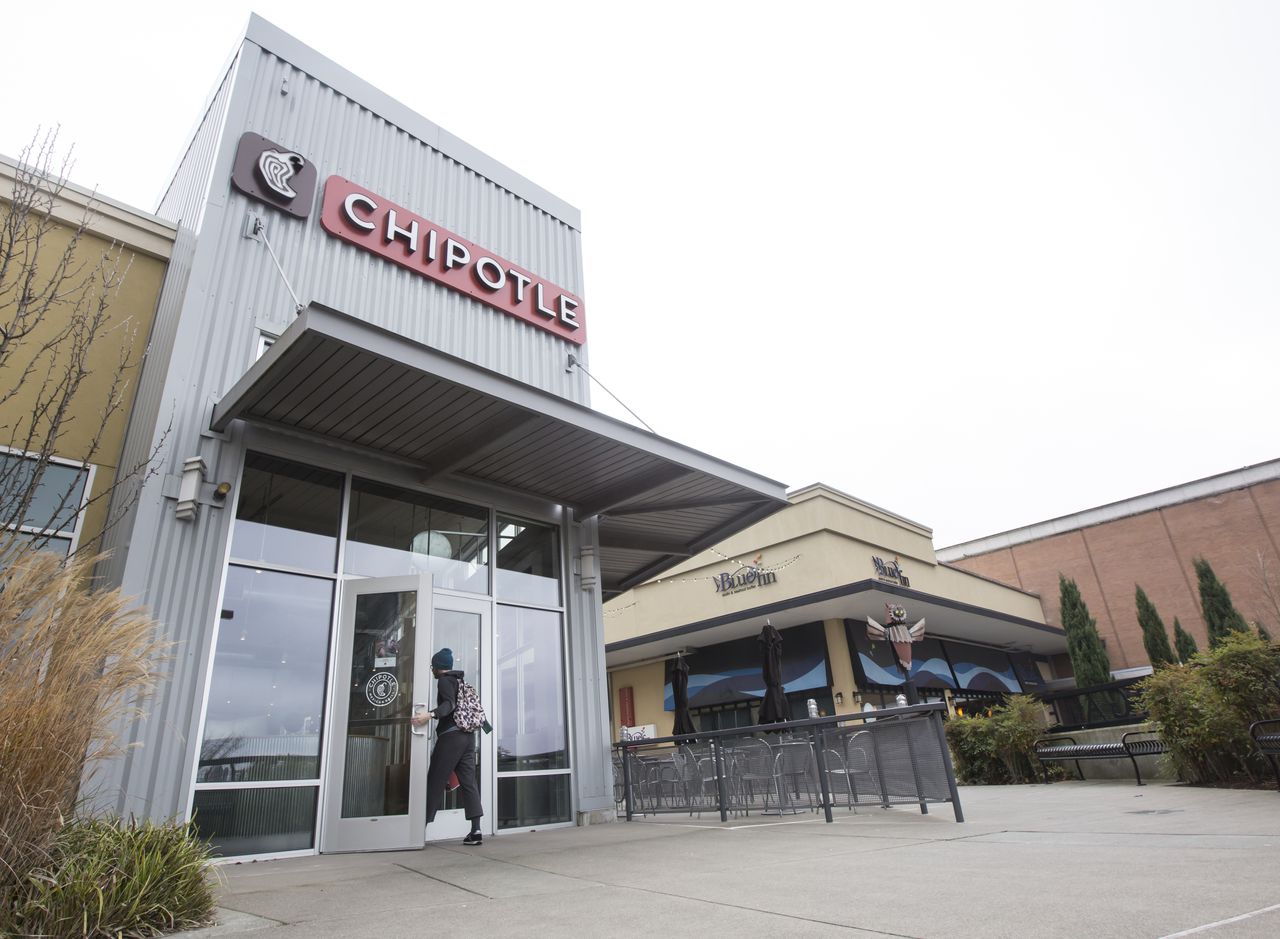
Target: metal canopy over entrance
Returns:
[[337, 377]]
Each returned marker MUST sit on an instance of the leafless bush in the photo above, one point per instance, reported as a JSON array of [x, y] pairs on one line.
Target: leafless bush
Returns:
[[57, 329]]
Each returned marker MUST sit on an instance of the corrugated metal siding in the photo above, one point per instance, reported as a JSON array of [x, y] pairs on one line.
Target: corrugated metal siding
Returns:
[[144, 780], [183, 202], [222, 288], [344, 139]]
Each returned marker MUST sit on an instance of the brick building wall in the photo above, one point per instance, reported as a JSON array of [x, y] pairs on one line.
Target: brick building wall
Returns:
[[1149, 541]]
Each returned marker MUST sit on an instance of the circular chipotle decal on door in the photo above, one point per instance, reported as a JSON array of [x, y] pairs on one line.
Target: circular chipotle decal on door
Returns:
[[381, 689]]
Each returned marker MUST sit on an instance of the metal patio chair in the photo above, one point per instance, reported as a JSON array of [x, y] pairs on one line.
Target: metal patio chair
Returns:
[[798, 771], [849, 759]]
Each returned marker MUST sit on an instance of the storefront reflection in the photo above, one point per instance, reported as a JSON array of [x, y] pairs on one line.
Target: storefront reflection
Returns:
[[267, 691]]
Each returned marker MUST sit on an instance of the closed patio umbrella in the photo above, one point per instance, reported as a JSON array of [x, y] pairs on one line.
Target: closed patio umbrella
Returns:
[[774, 707], [680, 692]]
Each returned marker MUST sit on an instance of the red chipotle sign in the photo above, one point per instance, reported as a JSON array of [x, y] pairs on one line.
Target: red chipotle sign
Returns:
[[371, 222]]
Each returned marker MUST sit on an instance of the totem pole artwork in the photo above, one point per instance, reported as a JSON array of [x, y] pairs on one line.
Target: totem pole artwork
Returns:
[[900, 636]]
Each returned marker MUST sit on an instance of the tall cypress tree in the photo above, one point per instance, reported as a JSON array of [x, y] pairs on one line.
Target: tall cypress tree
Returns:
[[1154, 638], [1084, 645], [1220, 615], [1185, 642]]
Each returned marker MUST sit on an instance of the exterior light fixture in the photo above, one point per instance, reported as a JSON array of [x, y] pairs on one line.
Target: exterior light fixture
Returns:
[[839, 697], [587, 567], [193, 470]]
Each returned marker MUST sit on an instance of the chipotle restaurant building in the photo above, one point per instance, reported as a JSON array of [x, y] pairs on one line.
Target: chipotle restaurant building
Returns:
[[374, 443]]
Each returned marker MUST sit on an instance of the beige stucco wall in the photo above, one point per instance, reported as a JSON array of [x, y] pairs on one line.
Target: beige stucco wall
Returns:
[[648, 683], [822, 541], [138, 246], [841, 664]]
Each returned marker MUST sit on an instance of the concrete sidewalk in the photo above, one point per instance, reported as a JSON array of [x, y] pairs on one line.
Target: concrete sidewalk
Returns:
[[1074, 859]]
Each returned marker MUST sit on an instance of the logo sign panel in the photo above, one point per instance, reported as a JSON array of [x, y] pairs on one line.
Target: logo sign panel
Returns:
[[381, 689], [639, 732], [274, 174], [744, 578], [891, 571], [379, 226]]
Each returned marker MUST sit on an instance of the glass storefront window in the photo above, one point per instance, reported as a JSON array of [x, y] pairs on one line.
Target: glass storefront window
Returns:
[[929, 667], [266, 696], [874, 662], [256, 821], [981, 669], [395, 531], [532, 720], [289, 514], [528, 562], [524, 801]]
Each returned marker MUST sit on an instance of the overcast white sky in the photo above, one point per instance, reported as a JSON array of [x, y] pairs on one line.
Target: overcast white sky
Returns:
[[981, 264]]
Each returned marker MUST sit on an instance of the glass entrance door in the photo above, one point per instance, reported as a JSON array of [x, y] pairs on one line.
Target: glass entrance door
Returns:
[[462, 625], [375, 797]]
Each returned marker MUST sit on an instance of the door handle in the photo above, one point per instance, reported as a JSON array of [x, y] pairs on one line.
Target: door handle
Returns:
[[413, 730]]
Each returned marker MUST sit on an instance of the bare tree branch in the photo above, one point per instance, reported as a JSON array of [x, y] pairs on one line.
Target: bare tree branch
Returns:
[[57, 324]]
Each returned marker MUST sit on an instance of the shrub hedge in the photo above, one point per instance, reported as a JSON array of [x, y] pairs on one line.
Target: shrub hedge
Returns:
[[1204, 708], [111, 878], [997, 749]]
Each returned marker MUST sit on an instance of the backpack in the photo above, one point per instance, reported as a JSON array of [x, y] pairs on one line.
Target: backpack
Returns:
[[468, 713]]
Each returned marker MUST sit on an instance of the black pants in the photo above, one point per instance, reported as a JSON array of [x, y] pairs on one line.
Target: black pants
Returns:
[[453, 752]]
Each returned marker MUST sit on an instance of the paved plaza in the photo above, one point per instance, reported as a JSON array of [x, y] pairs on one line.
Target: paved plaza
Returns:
[[1073, 859]]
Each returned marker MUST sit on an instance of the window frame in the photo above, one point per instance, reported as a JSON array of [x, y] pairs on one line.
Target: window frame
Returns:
[[76, 532]]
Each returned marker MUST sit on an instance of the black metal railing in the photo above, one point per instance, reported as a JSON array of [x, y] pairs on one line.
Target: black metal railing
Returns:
[[1108, 705], [895, 756]]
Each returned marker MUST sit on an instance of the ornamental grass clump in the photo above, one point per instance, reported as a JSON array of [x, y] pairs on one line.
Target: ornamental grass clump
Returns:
[[105, 877], [75, 664]]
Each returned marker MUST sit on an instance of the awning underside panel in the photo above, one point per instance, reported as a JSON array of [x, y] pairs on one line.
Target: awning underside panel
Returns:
[[338, 378]]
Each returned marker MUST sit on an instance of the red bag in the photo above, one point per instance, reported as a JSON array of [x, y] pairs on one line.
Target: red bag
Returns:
[[452, 782]]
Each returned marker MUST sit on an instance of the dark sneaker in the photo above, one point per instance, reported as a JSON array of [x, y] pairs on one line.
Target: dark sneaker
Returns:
[[473, 839]]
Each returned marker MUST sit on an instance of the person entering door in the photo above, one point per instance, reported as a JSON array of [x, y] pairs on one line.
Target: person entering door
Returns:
[[455, 749]]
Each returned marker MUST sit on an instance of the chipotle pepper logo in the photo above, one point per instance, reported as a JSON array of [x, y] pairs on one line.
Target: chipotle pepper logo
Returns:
[[275, 175]]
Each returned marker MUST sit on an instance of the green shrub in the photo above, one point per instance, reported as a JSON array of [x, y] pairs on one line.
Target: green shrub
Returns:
[[1204, 710], [1246, 671], [997, 749], [1200, 732], [110, 878], [973, 749]]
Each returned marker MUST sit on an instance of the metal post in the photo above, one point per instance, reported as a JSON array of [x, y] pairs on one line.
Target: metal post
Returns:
[[915, 769], [626, 777], [875, 748], [821, 759], [936, 717], [718, 748]]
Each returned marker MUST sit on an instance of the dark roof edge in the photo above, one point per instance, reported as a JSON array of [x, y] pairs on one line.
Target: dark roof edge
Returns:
[[831, 593]]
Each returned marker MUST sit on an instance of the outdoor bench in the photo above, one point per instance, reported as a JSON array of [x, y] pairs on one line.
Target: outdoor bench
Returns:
[[1266, 734], [1056, 750]]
